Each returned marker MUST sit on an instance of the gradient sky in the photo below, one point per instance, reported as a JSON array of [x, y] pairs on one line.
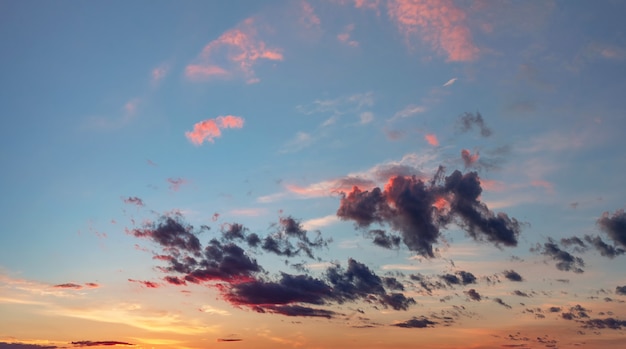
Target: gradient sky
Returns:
[[313, 174]]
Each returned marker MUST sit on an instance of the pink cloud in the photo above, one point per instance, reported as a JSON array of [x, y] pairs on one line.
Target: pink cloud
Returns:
[[194, 71], [468, 158], [148, 284], [437, 22], [159, 73], [240, 49], [431, 139], [176, 183], [308, 18], [210, 129], [549, 187], [345, 36]]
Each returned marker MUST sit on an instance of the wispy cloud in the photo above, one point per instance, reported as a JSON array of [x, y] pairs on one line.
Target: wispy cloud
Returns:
[[235, 52], [450, 82], [210, 129], [159, 73], [308, 18], [345, 36], [440, 23], [409, 110]]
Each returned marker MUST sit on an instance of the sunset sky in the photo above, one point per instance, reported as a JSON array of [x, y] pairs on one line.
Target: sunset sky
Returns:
[[313, 174]]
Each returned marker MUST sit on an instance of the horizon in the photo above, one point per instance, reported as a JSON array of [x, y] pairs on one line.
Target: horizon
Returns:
[[313, 174]]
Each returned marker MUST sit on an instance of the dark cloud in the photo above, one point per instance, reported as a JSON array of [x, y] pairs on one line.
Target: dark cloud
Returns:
[[621, 290], [427, 283], [467, 121], [69, 285], [512, 275], [421, 322], [382, 239], [133, 200], [359, 282], [289, 289], [565, 260], [605, 249], [418, 211], [554, 309], [607, 323], [287, 294], [521, 293], [502, 303], [100, 343], [473, 294], [614, 226], [297, 310], [229, 339], [148, 284], [459, 278], [233, 231], [171, 233], [188, 260]]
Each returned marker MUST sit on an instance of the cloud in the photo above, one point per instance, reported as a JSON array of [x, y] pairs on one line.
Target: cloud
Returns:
[[421, 322], [431, 138], [308, 18], [512, 275], [412, 207], [339, 106], [621, 290], [287, 294], [607, 323], [467, 121], [502, 303], [469, 159], [346, 36], [409, 110], [16, 345], [159, 73], [450, 82], [565, 260], [439, 23], [473, 294], [100, 343], [133, 200], [210, 129], [148, 284], [366, 117], [614, 226], [300, 141], [69, 285], [382, 239], [186, 257], [238, 49], [316, 223]]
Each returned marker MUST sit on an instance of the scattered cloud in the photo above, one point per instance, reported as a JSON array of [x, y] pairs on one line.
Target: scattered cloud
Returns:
[[210, 129], [176, 183], [439, 23], [234, 53], [467, 121], [431, 138], [409, 110], [345, 36]]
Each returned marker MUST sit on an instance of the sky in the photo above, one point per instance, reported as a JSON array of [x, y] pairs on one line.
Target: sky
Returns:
[[313, 174]]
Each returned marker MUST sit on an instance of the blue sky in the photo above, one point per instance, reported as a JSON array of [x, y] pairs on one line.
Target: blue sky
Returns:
[[121, 115]]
